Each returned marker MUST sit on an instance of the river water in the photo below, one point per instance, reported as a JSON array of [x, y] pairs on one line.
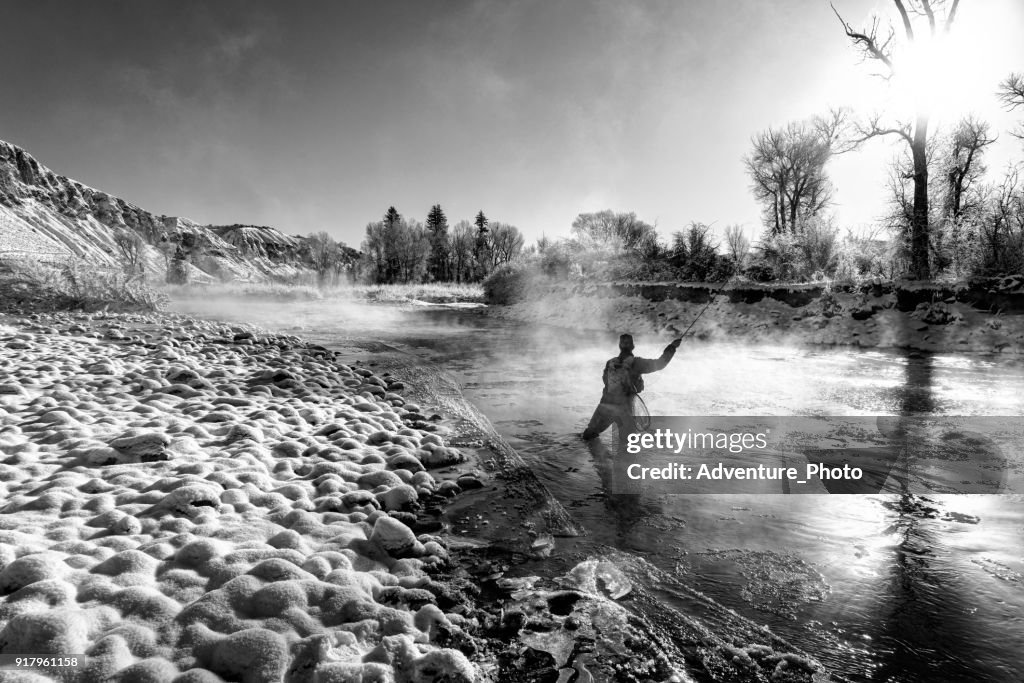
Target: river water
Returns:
[[878, 587]]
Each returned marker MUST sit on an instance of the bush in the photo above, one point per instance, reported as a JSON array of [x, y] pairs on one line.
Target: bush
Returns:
[[695, 254], [725, 268], [507, 284], [779, 256], [759, 270], [555, 260], [811, 254], [269, 291], [433, 292], [818, 246], [75, 285], [634, 268]]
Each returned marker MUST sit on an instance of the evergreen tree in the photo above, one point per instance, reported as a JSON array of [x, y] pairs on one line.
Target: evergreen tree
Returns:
[[482, 252], [392, 229], [481, 223], [437, 226]]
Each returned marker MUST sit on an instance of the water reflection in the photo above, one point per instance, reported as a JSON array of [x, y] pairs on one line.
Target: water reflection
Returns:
[[625, 510], [927, 624]]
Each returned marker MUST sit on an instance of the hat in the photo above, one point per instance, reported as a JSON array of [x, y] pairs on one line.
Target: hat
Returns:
[[626, 342]]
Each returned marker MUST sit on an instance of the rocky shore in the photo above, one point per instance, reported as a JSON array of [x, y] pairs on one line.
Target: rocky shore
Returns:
[[195, 502], [190, 501]]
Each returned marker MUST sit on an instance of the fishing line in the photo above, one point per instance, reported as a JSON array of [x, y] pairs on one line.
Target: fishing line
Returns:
[[641, 414], [708, 305]]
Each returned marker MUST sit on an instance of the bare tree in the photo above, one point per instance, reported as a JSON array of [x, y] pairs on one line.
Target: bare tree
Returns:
[[737, 244], [613, 232], [787, 168], [937, 16], [1002, 235], [328, 257], [375, 253], [963, 166], [1011, 93], [462, 244], [411, 248], [901, 199], [132, 247], [506, 243]]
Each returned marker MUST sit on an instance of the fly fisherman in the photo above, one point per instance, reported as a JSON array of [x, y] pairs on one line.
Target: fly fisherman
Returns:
[[622, 381]]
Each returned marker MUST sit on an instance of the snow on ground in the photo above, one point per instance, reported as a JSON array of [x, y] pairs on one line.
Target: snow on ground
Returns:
[[196, 502]]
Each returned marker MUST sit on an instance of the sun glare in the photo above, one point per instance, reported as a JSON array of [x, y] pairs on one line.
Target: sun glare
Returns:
[[929, 74], [949, 74]]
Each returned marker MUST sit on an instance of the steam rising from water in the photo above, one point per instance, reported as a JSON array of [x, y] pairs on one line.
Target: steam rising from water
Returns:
[[539, 384], [553, 374]]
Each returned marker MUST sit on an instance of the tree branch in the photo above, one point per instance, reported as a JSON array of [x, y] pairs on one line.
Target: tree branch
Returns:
[[906, 19], [867, 41], [927, 5], [1011, 91], [952, 14], [872, 130]]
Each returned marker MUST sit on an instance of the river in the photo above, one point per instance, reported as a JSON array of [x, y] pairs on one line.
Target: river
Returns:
[[878, 587]]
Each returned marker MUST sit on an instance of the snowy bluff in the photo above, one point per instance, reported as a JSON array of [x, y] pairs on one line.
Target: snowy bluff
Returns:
[[49, 216]]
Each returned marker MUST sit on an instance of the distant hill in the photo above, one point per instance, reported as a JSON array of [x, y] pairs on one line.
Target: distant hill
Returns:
[[51, 217]]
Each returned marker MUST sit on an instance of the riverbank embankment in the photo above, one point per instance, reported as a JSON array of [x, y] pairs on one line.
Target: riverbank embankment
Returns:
[[982, 316]]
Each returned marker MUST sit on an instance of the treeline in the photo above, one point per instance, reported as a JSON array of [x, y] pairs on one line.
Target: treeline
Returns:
[[400, 250], [612, 245], [974, 220]]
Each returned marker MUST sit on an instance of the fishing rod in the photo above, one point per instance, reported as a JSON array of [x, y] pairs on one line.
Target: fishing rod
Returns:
[[640, 412], [708, 305]]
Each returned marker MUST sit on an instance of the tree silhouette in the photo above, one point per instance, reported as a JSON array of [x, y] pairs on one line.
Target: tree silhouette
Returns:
[[392, 237], [437, 226], [327, 257], [938, 17], [132, 249], [964, 169], [787, 168], [1011, 92], [612, 232], [506, 243], [482, 250], [463, 241]]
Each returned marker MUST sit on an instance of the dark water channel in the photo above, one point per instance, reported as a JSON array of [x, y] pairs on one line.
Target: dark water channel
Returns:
[[878, 587]]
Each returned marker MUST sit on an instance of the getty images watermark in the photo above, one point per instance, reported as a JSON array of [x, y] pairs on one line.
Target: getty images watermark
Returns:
[[877, 454]]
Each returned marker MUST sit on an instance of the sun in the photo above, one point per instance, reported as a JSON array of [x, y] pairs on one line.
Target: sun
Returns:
[[929, 74], [949, 74]]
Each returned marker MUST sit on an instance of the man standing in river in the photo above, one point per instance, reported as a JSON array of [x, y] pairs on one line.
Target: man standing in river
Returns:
[[622, 381]]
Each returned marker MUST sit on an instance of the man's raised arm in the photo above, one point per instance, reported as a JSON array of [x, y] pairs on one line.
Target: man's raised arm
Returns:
[[645, 365]]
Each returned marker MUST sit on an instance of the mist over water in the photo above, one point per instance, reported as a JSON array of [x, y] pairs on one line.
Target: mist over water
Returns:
[[877, 587]]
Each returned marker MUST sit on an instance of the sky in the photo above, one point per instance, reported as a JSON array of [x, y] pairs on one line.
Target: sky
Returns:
[[318, 116]]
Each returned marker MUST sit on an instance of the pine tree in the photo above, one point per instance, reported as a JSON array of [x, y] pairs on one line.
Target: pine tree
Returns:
[[481, 223], [392, 227], [482, 253], [437, 225]]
